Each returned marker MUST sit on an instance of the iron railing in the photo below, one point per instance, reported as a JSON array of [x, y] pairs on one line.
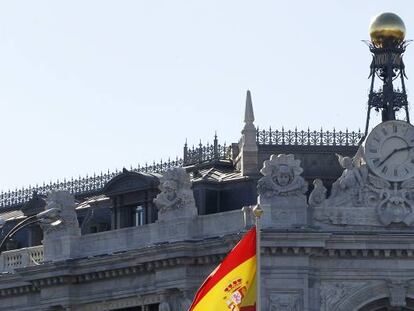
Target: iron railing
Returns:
[[81, 185], [209, 152], [308, 138], [91, 185]]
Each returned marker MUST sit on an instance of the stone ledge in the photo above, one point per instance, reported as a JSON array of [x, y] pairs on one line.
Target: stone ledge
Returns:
[[31, 274], [347, 253]]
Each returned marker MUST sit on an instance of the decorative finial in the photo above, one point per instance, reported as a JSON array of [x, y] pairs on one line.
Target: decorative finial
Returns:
[[248, 113], [387, 45], [257, 211], [387, 29]]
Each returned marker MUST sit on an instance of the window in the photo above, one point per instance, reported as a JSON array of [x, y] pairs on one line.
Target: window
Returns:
[[139, 216]]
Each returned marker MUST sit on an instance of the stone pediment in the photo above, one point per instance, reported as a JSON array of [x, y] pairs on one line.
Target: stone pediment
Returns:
[[129, 181]]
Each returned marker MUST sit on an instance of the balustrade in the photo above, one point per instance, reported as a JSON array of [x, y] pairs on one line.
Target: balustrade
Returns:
[[20, 258]]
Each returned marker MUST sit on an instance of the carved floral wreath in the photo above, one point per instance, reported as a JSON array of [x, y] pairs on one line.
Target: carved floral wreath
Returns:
[[270, 166]]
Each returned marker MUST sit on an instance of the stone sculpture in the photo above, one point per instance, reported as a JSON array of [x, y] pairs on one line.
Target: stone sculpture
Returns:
[[350, 183], [282, 192], [318, 194], [60, 237], [394, 203], [62, 204], [360, 197], [281, 177], [176, 194]]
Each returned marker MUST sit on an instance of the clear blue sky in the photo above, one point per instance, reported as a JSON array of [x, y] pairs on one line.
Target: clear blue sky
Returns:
[[91, 85]]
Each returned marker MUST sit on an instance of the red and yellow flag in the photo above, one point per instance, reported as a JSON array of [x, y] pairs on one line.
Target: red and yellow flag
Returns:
[[232, 285]]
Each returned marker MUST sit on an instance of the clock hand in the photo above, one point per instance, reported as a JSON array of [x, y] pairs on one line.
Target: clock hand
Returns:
[[394, 151]]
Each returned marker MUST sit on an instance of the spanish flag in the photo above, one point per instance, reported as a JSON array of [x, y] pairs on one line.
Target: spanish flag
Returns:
[[232, 285]]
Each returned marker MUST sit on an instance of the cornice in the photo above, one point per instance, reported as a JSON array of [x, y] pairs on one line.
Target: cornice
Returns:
[[200, 253], [18, 290]]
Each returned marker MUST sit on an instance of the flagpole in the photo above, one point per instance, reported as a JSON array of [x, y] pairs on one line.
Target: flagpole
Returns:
[[258, 212]]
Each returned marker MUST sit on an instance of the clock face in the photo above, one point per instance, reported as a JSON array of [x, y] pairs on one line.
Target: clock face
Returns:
[[389, 150]]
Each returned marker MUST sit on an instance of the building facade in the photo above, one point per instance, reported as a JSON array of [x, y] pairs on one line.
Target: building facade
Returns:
[[337, 229]]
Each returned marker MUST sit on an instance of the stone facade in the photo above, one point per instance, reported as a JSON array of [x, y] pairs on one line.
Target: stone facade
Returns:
[[338, 241]]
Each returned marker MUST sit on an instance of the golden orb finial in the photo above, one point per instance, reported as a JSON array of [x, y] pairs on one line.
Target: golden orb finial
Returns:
[[387, 29], [257, 211]]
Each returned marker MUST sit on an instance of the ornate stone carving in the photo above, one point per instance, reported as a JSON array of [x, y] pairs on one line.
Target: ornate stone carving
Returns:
[[285, 302], [396, 201], [363, 198], [378, 202], [398, 293], [281, 177], [62, 203], [282, 192], [61, 236], [176, 194], [318, 194], [348, 188], [333, 293]]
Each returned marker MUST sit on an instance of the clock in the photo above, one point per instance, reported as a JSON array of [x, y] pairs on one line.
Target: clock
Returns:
[[389, 150]]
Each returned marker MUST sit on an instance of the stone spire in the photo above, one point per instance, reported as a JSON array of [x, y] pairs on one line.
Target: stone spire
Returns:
[[248, 148], [248, 112]]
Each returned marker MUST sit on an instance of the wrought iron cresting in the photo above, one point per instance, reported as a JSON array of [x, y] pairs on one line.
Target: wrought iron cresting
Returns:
[[209, 152], [90, 185], [81, 185], [308, 138]]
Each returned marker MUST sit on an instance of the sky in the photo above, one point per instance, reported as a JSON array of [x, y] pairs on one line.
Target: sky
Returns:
[[92, 85]]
